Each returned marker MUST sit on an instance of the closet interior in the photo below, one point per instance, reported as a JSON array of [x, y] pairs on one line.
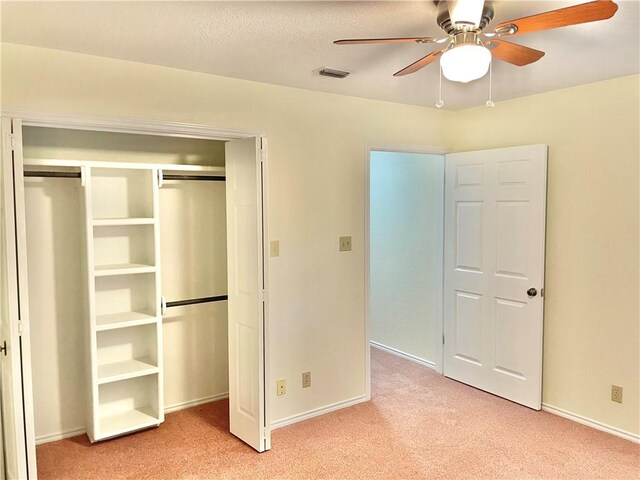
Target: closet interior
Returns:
[[127, 275]]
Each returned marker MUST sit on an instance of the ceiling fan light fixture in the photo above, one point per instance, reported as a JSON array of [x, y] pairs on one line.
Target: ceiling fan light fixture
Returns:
[[465, 63]]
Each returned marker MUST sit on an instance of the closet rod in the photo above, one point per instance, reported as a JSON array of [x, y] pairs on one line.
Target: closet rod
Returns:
[[194, 301], [171, 176], [32, 173]]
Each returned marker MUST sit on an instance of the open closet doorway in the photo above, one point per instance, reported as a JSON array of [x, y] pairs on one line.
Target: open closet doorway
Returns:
[[405, 253], [142, 284]]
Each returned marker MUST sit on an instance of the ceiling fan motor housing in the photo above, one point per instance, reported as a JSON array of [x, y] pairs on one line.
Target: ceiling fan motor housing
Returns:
[[444, 17], [464, 38]]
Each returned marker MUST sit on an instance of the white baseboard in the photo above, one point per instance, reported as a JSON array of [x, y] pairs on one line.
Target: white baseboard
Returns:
[[406, 356], [53, 437], [317, 412], [194, 403], [591, 423]]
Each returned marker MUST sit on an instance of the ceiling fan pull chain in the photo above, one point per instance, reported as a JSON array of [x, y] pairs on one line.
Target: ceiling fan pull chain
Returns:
[[489, 102], [440, 102]]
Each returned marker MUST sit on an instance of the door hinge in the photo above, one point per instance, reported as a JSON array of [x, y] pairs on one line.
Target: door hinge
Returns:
[[12, 141], [19, 327], [263, 148], [3, 348], [443, 338], [542, 292]]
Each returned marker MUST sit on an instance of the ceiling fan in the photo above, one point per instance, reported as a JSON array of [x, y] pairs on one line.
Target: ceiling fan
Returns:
[[468, 49]]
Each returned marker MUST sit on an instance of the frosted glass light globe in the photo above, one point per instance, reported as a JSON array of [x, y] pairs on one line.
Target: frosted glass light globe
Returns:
[[465, 63]]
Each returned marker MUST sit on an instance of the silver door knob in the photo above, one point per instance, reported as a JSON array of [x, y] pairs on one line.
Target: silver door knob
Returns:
[[532, 292]]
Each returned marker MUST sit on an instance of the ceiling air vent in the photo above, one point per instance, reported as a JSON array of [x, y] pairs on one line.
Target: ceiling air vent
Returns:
[[333, 73]]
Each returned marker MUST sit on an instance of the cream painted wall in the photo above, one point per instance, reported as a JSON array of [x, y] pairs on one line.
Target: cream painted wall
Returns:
[[317, 158], [406, 229], [193, 247], [57, 285], [592, 319], [317, 154], [66, 144]]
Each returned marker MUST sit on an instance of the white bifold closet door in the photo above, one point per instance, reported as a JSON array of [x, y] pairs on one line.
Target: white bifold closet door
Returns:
[[494, 270], [17, 398], [246, 286]]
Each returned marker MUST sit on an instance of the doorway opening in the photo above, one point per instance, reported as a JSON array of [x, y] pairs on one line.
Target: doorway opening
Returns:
[[405, 253], [455, 264]]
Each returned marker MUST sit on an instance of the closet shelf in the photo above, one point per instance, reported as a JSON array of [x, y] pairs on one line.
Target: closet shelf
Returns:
[[118, 222], [112, 321], [37, 164], [128, 421], [122, 269], [117, 371]]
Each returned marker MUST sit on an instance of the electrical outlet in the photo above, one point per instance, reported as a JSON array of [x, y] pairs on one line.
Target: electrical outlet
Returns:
[[616, 393], [306, 379], [345, 244], [274, 248], [281, 386]]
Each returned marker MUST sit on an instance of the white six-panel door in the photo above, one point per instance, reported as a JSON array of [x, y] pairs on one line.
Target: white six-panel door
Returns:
[[246, 313], [494, 260]]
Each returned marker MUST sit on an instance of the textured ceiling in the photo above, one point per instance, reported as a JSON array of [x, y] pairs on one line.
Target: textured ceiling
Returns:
[[285, 42]]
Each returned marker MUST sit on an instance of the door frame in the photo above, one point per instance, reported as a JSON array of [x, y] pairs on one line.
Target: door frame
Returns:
[[376, 147], [36, 118]]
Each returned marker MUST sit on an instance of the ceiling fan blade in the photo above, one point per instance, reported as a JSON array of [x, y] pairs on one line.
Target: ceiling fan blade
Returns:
[[563, 17], [515, 54], [365, 41], [417, 65]]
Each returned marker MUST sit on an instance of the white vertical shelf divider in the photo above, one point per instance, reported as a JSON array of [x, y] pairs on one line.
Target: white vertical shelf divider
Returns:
[[121, 207]]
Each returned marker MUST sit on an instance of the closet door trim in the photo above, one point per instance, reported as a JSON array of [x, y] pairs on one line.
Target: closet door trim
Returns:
[[34, 118]]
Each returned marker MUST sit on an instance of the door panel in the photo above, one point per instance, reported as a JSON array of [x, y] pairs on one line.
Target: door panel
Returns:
[[469, 226], [245, 246], [468, 314], [513, 240], [511, 321], [494, 252]]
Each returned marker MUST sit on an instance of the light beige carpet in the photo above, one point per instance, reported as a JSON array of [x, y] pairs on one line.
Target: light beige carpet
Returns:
[[419, 425]]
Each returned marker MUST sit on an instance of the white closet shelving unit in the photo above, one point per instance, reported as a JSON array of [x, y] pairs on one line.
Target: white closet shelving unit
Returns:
[[125, 322], [124, 347]]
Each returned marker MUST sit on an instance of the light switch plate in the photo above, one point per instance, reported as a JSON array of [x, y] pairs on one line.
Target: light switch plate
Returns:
[[274, 248], [345, 244]]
